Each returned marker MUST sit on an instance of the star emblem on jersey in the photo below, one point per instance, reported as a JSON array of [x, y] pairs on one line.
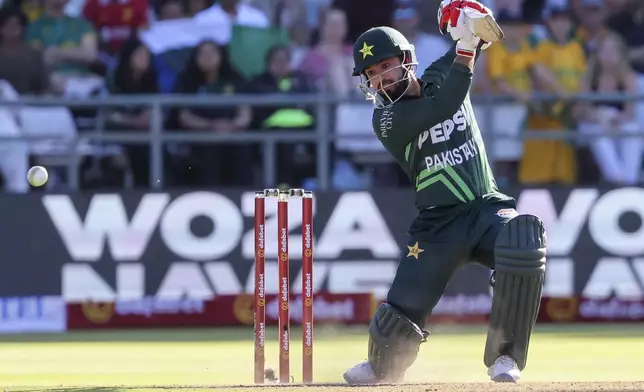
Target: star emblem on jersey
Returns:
[[414, 250], [366, 50]]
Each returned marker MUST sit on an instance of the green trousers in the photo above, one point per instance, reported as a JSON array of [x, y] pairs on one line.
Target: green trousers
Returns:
[[440, 241]]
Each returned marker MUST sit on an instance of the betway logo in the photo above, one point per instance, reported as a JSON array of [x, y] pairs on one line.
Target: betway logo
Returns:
[[115, 231]]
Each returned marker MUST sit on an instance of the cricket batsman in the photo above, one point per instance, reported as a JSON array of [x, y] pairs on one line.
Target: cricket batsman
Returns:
[[427, 124]]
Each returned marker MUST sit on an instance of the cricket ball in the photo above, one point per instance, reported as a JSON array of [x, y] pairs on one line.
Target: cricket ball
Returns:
[[37, 176]]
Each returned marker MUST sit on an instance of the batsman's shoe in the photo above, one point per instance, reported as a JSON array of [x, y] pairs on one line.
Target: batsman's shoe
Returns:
[[360, 374], [504, 370]]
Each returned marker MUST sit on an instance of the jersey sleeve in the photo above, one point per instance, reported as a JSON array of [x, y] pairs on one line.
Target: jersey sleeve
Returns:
[[437, 71], [398, 125]]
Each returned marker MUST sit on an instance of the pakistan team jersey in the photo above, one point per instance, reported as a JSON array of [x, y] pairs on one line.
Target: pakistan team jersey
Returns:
[[436, 140]]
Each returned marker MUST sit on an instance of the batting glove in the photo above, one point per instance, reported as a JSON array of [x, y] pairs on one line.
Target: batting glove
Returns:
[[462, 18]]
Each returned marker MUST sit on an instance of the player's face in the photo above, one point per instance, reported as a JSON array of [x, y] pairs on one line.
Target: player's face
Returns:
[[388, 78]]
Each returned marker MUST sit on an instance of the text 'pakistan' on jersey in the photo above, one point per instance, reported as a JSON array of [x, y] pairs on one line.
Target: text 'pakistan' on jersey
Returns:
[[436, 139]]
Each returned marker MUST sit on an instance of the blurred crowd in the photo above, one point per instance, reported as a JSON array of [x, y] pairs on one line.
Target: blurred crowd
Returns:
[[94, 48]]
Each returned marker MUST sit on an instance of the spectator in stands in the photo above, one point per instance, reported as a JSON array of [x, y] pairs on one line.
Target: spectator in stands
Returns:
[[513, 7], [612, 6], [193, 7], [70, 47], [245, 29], [283, 13], [209, 72], [20, 65], [619, 159], [32, 9], [513, 69], [508, 69], [292, 16], [225, 13], [134, 74], [295, 162], [547, 161], [363, 15], [592, 15], [329, 63], [115, 21], [510, 61], [170, 9], [616, 7], [630, 25], [429, 47]]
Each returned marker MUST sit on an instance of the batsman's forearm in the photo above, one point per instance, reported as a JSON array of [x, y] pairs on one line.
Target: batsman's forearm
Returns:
[[466, 61]]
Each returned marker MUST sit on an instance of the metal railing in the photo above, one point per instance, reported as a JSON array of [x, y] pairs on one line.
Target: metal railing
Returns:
[[323, 135]]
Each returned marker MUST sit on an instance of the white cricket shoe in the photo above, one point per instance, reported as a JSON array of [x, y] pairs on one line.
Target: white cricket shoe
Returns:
[[504, 370], [360, 374]]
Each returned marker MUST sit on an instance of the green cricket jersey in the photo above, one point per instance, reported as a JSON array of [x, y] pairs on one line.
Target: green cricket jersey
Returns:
[[436, 140]]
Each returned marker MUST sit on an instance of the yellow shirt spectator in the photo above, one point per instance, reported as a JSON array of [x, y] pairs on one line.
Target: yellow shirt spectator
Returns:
[[553, 161], [508, 69], [511, 65]]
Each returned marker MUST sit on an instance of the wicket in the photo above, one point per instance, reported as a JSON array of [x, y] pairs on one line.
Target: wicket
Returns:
[[284, 283]]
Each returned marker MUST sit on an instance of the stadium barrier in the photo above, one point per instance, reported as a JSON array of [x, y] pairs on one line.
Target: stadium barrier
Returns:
[[327, 135]]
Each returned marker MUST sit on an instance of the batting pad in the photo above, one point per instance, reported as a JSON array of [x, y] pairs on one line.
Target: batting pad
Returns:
[[520, 264]]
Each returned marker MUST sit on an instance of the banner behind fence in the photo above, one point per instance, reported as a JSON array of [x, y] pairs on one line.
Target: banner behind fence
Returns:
[[198, 245]]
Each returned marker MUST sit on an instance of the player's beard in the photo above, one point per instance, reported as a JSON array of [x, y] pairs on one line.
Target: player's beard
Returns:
[[394, 91]]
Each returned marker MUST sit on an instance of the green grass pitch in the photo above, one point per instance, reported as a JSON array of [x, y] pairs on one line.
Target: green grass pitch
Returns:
[[216, 359]]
